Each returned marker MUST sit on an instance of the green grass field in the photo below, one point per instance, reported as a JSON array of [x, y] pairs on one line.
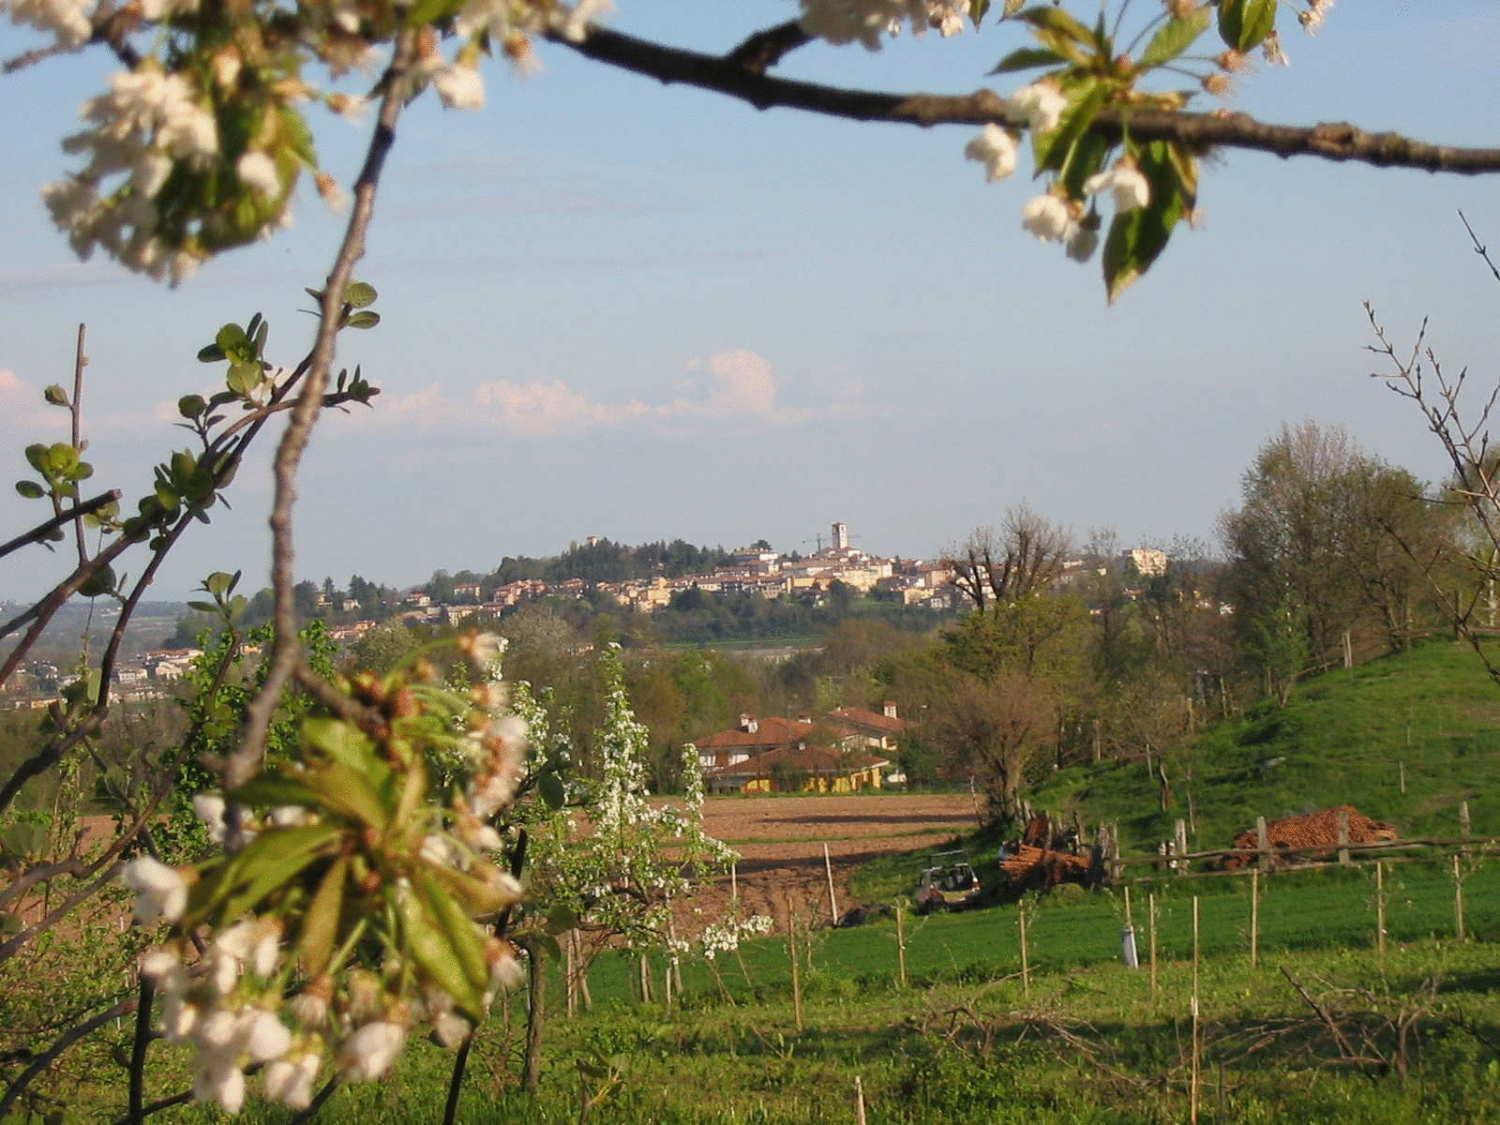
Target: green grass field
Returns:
[[1344, 738]]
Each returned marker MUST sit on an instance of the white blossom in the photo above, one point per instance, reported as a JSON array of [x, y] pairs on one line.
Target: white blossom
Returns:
[[1042, 104], [1047, 217], [209, 807], [995, 148], [289, 1080], [573, 23], [257, 171], [66, 19], [370, 1051], [220, 1080], [156, 10], [460, 87], [262, 1036], [1124, 181], [160, 890]]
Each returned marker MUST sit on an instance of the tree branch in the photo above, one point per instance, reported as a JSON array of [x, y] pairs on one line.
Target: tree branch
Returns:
[[285, 648], [765, 49], [42, 530], [61, 1044], [736, 75]]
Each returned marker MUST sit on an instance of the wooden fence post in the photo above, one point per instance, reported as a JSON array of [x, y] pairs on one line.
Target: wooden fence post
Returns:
[[1151, 938], [1401, 766], [901, 945], [1254, 917], [833, 903], [1193, 1081], [1025, 963], [1262, 844], [1117, 869], [1458, 899], [1097, 741], [570, 976], [1464, 825], [1379, 908], [1344, 838], [859, 1100], [734, 888], [1179, 837], [791, 948]]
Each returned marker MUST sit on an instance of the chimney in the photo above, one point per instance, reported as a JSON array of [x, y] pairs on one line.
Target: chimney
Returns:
[[889, 707], [748, 724]]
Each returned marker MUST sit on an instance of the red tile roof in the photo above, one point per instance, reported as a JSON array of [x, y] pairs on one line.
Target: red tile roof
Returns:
[[874, 720]]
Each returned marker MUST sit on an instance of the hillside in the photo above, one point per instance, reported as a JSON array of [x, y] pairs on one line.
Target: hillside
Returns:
[[1343, 738]]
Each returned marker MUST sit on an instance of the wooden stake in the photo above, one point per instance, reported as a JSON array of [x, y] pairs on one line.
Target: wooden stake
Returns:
[[1401, 766], [1458, 899], [833, 903], [734, 887], [1464, 825], [645, 980], [901, 945], [1254, 917], [791, 947], [1179, 838], [1025, 964], [859, 1100], [1344, 839], [1193, 1083], [1262, 844], [1151, 927], [569, 977], [1127, 909], [1380, 908]]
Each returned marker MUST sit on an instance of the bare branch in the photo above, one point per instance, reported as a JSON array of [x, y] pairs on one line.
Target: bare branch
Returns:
[[75, 412], [42, 1061], [1338, 141], [42, 530], [285, 646], [765, 49]]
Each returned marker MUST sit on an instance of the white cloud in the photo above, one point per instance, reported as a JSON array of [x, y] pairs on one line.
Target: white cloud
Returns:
[[737, 383]]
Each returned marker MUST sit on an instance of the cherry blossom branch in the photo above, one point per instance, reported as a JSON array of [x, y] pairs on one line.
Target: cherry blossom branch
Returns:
[[736, 75], [285, 647], [765, 49]]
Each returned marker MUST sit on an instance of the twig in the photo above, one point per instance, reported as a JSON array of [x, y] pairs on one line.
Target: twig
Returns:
[[42, 530], [42, 1061], [285, 647]]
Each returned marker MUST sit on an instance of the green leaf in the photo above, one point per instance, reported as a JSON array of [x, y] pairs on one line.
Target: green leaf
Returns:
[[1011, 8], [348, 791], [552, 789], [211, 354], [235, 344], [203, 607], [191, 406], [30, 489], [977, 10], [320, 923], [55, 395], [269, 789], [1027, 58], [458, 925], [219, 583], [269, 861], [244, 378], [1137, 238], [436, 956], [1051, 149], [1244, 24], [1048, 18], [365, 319], [1173, 38], [359, 294]]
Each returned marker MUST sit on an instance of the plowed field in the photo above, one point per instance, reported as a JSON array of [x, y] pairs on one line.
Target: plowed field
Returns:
[[780, 841]]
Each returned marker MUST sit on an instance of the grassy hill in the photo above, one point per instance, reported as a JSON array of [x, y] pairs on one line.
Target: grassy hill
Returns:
[[1342, 739]]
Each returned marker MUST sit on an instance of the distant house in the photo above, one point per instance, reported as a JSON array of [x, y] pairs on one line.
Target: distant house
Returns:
[[879, 729], [841, 753], [800, 768]]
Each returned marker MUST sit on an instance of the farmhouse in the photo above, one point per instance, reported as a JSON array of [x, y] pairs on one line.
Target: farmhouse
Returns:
[[840, 753]]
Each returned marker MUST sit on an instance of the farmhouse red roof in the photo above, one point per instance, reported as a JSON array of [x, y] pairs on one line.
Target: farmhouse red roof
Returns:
[[859, 716]]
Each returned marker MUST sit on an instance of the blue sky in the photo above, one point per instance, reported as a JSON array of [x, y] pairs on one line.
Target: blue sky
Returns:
[[617, 308]]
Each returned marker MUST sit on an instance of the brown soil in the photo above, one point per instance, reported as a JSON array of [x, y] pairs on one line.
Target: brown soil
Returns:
[[780, 842]]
